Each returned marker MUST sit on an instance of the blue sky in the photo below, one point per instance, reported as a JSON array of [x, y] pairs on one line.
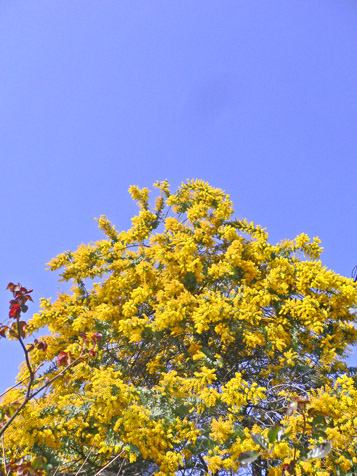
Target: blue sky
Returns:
[[256, 97]]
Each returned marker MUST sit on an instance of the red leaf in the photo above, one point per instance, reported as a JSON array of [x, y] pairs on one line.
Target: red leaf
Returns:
[[15, 311], [41, 345], [289, 466], [96, 338], [63, 359]]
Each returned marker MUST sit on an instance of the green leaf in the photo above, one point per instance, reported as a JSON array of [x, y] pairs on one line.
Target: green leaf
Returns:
[[281, 436], [248, 457], [190, 281], [239, 432], [260, 440], [114, 390], [238, 272], [273, 432], [320, 451], [182, 410], [38, 462], [319, 432], [314, 412], [319, 420], [134, 449]]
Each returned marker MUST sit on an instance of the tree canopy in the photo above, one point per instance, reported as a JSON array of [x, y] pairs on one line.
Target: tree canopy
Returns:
[[197, 348]]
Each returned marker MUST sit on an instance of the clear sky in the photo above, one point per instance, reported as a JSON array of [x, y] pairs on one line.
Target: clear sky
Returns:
[[257, 97]]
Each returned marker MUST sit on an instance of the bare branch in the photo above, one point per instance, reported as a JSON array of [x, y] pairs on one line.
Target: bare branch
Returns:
[[84, 462], [4, 455], [110, 462]]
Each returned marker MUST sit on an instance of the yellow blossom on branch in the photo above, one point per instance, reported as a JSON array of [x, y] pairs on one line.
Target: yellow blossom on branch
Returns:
[[211, 349]]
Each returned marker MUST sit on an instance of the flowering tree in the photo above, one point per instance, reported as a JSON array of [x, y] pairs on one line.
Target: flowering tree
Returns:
[[208, 350]]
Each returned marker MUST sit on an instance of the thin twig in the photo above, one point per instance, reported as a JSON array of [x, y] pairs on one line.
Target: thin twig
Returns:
[[14, 386], [84, 462], [26, 352], [30, 396], [121, 466], [4, 455], [110, 462]]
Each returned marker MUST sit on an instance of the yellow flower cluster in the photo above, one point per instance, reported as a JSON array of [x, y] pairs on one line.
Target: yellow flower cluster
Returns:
[[207, 333]]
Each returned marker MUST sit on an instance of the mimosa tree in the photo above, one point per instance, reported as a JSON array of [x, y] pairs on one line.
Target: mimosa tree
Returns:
[[205, 349]]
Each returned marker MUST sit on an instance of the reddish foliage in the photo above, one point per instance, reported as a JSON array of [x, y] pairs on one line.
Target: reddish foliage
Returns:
[[15, 311], [96, 338], [63, 359], [41, 345]]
